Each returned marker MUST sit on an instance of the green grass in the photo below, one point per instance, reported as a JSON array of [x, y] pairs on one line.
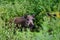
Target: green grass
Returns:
[[13, 8]]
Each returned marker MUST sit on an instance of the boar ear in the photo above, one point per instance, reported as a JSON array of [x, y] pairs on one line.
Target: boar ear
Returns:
[[25, 16], [33, 15]]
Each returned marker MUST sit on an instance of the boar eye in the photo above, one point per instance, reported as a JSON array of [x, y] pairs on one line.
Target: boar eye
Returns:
[[28, 19]]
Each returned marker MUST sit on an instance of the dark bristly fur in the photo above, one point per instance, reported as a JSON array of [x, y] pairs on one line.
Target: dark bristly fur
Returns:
[[25, 22]]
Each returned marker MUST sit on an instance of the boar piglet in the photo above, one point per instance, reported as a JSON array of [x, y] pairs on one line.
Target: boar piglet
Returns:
[[24, 21]]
